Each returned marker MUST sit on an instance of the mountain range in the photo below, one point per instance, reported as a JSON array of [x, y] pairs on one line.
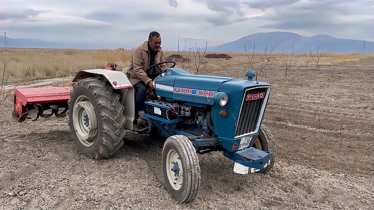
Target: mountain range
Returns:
[[259, 42], [292, 42], [29, 43]]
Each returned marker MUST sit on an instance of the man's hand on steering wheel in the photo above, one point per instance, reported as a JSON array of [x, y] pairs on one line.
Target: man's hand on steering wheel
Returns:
[[150, 84], [157, 65], [158, 72]]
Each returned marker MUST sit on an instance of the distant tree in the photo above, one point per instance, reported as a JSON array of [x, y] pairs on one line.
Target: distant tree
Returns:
[[287, 60], [184, 62], [255, 64], [4, 92], [307, 59], [316, 57], [198, 58], [2, 85], [195, 56]]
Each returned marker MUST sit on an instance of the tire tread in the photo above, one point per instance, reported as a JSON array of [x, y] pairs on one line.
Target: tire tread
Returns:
[[110, 112], [268, 143], [191, 170]]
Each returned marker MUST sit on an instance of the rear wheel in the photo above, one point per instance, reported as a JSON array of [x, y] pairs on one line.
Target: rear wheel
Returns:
[[265, 141], [96, 118], [181, 169]]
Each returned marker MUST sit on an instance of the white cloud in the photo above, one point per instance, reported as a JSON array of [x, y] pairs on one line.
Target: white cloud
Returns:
[[51, 18], [129, 22]]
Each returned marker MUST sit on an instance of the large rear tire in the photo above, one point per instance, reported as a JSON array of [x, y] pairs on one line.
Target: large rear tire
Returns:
[[96, 118], [265, 141], [181, 169]]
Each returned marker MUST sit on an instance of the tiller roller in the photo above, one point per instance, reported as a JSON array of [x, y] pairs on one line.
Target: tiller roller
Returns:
[[30, 103]]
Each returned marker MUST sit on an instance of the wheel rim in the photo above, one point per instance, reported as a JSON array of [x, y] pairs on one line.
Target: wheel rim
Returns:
[[174, 169], [84, 121], [257, 144]]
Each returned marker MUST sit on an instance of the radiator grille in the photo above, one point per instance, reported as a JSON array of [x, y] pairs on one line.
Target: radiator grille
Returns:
[[251, 111]]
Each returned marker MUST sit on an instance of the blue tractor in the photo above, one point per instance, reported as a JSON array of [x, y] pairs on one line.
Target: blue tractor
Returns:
[[196, 114]]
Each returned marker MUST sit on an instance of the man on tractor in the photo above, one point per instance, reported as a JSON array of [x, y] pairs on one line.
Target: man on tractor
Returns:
[[141, 73]]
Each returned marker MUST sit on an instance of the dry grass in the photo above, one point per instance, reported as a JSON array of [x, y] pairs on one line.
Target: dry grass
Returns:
[[29, 64], [50, 63], [224, 67]]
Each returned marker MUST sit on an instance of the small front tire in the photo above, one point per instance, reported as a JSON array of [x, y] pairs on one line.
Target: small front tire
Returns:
[[181, 169], [265, 141]]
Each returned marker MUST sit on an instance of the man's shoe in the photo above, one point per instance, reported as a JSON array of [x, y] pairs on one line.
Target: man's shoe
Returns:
[[139, 129], [141, 124]]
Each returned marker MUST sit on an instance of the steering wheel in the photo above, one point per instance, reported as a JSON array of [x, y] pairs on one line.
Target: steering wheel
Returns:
[[172, 62]]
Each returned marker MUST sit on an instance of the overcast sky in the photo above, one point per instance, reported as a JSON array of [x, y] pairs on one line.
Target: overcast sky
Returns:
[[127, 23]]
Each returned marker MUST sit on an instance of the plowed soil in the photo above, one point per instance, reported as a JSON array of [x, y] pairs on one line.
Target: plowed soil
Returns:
[[322, 120]]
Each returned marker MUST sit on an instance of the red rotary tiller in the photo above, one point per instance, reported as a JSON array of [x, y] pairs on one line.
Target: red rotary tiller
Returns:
[[30, 103]]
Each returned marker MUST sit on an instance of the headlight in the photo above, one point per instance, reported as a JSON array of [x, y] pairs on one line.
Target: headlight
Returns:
[[223, 100]]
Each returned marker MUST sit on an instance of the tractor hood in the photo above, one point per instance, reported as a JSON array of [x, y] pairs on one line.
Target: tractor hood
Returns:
[[178, 84], [181, 85], [198, 82], [184, 79]]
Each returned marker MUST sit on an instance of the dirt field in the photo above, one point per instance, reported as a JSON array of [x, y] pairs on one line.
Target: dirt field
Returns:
[[322, 120]]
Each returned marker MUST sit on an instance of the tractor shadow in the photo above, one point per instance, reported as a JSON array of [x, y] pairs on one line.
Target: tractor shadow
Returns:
[[148, 148]]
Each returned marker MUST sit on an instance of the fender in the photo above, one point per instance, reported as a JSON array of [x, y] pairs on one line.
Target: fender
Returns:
[[119, 82], [117, 79]]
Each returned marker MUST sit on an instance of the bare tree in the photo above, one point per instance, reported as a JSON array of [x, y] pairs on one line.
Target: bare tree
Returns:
[[287, 60], [196, 56], [2, 80], [184, 61], [251, 58], [304, 61], [4, 93], [316, 57], [259, 66], [307, 60], [199, 57]]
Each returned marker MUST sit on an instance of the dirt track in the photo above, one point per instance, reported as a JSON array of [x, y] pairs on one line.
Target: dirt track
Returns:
[[322, 121]]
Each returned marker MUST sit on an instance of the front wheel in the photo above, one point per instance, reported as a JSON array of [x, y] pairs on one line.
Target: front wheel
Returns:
[[181, 169], [265, 141]]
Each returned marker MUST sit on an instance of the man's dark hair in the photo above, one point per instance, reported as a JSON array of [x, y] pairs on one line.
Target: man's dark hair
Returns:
[[153, 34]]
